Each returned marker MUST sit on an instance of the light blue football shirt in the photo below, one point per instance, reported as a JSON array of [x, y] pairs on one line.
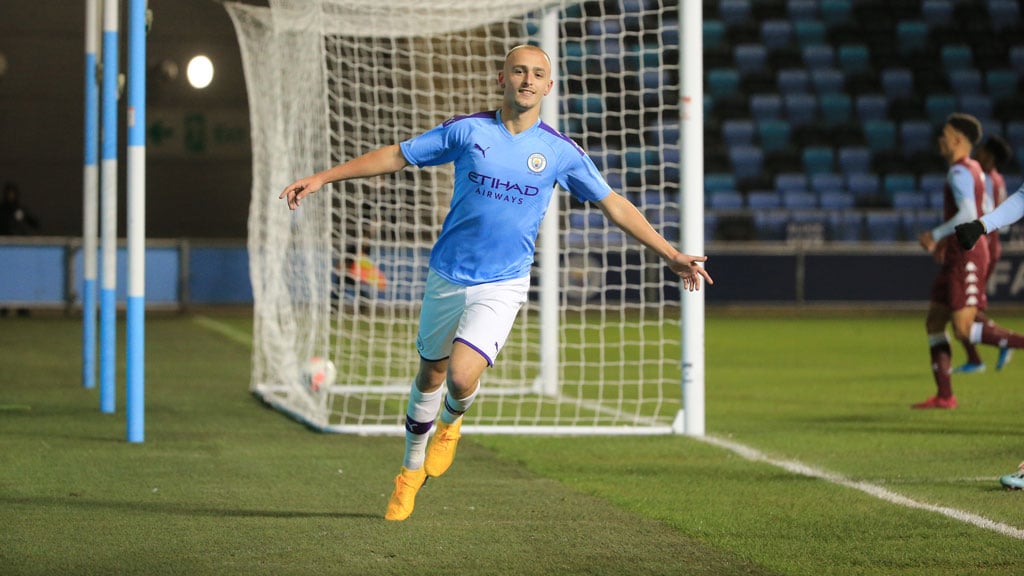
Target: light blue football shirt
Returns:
[[503, 183]]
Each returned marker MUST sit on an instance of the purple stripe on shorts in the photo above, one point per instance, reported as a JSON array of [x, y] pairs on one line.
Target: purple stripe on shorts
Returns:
[[490, 362]]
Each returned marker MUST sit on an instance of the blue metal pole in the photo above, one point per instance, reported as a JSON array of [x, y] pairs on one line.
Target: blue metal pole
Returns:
[[108, 180], [90, 196], [136, 355]]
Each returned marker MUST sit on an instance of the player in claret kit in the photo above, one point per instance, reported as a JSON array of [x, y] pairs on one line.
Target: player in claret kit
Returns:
[[992, 154], [958, 291], [507, 163]]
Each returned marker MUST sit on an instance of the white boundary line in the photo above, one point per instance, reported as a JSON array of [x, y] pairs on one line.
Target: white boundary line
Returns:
[[802, 469]]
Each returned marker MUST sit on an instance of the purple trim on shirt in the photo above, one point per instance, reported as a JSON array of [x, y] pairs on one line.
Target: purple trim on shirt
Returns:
[[550, 130], [491, 114], [478, 351]]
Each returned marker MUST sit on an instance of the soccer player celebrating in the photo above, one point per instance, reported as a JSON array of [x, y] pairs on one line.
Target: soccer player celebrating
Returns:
[[992, 154], [507, 163]]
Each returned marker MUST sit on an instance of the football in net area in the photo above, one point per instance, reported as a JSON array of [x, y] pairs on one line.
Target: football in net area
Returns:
[[597, 346]]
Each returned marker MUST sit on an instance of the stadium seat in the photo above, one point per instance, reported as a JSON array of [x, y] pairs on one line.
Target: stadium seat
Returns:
[[956, 56], [937, 13], [854, 59], [735, 12], [836, 13], [845, 226], [1017, 58], [909, 200], [880, 135], [723, 82], [738, 133], [802, 9], [789, 181], [710, 226], [911, 37], [927, 219], [1015, 132], [823, 182], [1001, 83], [917, 136], [899, 182], [883, 226], [818, 56], [747, 162], [725, 200], [799, 200], [809, 32], [828, 81], [836, 109], [766, 107], [897, 83], [750, 58], [770, 225], [938, 107], [1003, 14], [718, 181], [931, 181], [713, 34], [801, 109], [835, 200], [978, 105], [965, 81], [774, 135], [792, 80], [818, 159], [763, 199], [854, 159], [776, 34], [864, 187], [871, 107]]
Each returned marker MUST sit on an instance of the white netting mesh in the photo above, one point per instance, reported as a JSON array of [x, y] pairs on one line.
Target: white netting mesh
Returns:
[[330, 80]]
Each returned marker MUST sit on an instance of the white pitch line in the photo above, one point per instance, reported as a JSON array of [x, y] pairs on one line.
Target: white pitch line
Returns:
[[802, 469], [223, 329]]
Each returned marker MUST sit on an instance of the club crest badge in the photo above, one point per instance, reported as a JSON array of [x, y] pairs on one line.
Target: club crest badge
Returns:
[[537, 162]]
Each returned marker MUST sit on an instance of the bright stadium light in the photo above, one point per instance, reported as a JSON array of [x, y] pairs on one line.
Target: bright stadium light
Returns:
[[200, 72]]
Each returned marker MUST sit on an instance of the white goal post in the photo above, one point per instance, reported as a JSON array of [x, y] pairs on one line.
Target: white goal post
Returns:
[[598, 348]]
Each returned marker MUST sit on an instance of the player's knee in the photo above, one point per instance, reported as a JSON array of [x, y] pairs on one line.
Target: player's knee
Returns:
[[461, 386]]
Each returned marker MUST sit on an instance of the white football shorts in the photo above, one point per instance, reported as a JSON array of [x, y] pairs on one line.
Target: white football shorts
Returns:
[[479, 316]]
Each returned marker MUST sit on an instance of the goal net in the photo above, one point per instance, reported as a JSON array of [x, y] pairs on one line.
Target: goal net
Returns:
[[597, 347]]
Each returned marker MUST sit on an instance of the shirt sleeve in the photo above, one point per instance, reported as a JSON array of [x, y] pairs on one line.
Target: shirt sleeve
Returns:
[[582, 178], [439, 145], [1010, 211], [961, 182]]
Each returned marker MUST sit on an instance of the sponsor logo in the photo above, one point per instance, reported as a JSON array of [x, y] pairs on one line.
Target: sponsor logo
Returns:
[[498, 189], [483, 151]]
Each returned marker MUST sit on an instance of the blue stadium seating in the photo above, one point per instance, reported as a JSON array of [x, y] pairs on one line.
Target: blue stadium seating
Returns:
[[854, 59], [835, 200], [777, 34], [836, 12], [801, 109], [911, 37], [937, 13], [799, 200], [735, 12], [717, 181], [747, 162], [1001, 83], [774, 135], [802, 9], [978, 105], [1017, 59], [792, 80], [918, 136], [880, 135], [899, 182], [897, 83], [819, 56], [818, 159], [854, 159], [770, 225], [789, 181], [763, 199], [1015, 132], [955, 56], [907, 200], [713, 32], [822, 182], [828, 81], [845, 226], [738, 133], [836, 109], [725, 200], [871, 107], [938, 107], [863, 186], [965, 81], [883, 226], [1004, 13], [766, 107], [750, 58], [809, 32]]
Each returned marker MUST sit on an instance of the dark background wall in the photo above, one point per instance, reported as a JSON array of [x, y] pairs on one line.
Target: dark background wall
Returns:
[[198, 172]]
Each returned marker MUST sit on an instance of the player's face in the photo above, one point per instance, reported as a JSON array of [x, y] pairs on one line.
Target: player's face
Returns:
[[526, 78], [949, 139]]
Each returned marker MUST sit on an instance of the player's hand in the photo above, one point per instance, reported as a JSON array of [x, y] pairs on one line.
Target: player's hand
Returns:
[[968, 233], [690, 270], [296, 191], [927, 241]]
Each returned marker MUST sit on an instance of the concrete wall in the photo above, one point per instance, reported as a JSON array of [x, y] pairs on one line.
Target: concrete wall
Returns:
[[199, 166]]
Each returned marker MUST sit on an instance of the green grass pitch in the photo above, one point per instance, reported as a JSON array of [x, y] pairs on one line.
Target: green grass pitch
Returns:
[[224, 486]]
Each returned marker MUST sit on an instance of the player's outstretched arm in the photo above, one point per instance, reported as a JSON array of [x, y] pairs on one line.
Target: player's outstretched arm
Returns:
[[626, 216], [381, 161]]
